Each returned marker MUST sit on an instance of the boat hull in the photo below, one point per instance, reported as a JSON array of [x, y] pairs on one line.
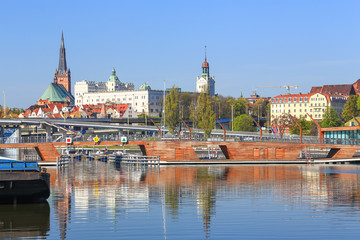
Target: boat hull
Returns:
[[24, 187]]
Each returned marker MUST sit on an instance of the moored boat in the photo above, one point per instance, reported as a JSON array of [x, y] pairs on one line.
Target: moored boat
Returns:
[[23, 182]]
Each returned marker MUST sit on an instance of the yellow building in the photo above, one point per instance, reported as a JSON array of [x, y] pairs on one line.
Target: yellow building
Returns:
[[298, 105]]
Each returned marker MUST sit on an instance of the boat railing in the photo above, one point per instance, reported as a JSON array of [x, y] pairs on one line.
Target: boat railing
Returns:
[[18, 166]]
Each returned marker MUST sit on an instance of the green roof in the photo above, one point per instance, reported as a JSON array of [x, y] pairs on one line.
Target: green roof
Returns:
[[145, 86], [56, 93], [113, 77]]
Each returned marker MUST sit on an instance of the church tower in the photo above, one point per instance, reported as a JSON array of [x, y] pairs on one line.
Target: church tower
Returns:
[[62, 74], [205, 81]]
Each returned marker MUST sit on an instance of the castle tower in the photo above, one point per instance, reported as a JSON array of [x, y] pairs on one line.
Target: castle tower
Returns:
[[205, 82], [62, 74]]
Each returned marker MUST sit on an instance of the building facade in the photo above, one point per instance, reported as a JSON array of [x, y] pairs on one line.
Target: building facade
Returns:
[[205, 82], [299, 105], [143, 101]]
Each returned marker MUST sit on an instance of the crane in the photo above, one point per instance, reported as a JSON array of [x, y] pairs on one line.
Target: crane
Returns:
[[284, 86]]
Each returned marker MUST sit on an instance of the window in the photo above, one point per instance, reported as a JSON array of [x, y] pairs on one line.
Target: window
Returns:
[[306, 99], [301, 99], [289, 99], [310, 110], [294, 110], [295, 99], [324, 104]]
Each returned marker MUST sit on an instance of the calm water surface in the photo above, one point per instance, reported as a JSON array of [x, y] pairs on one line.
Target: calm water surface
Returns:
[[96, 200]]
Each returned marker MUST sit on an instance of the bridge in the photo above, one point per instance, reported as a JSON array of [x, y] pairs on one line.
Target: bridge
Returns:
[[235, 146], [234, 151]]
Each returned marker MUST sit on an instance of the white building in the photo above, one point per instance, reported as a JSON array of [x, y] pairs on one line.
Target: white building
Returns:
[[143, 101], [205, 81]]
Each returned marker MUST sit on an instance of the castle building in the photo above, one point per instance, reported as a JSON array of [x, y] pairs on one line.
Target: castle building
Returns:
[[63, 74], [143, 101], [205, 82]]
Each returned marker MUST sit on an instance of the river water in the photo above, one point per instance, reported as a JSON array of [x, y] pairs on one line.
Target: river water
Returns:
[[96, 200]]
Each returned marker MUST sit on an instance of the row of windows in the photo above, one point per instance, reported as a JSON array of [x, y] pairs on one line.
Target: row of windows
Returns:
[[300, 116], [294, 110], [283, 100], [294, 105]]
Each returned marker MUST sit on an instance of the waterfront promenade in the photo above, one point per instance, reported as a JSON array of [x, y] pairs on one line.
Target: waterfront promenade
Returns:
[[183, 151]]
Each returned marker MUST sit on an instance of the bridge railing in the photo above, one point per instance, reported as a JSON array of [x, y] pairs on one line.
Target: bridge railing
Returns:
[[195, 137]]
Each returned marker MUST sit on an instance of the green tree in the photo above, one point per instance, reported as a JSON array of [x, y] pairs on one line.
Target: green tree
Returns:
[[259, 108], [330, 118], [305, 125], [283, 122], [350, 105], [243, 123], [185, 103], [239, 106], [172, 109], [206, 115]]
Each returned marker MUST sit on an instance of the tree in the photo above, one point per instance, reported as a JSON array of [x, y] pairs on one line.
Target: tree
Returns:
[[172, 109], [350, 105], [206, 115], [185, 103], [243, 123], [239, 106], [282, 122], [306, 126], [330, 118], [259, 108]]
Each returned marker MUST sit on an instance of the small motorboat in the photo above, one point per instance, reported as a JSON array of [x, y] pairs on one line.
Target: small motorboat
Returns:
[[23, 182]]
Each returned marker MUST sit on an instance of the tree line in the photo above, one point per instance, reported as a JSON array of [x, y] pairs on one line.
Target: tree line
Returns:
[[202, 110]]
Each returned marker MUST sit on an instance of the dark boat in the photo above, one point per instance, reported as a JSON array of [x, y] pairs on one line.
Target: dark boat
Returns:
[[23, 182]]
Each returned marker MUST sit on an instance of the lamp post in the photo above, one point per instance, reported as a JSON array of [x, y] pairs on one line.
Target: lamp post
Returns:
[[232, 117]]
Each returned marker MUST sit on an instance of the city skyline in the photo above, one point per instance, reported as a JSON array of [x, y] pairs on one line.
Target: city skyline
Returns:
[[301, 43]]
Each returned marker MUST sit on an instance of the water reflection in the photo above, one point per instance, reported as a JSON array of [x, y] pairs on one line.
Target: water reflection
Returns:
[[24, 220], [96, 192]]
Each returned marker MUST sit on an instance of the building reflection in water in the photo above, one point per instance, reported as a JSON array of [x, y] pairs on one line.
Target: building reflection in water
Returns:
[[126, 189]]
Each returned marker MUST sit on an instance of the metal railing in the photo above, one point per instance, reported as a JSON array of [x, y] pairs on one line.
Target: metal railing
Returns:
[[231, 137]]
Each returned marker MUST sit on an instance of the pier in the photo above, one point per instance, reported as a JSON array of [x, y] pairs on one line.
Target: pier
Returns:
[[183, 151]]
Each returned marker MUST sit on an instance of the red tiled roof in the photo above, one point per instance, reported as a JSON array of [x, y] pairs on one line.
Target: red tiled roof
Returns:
[[340, 89]]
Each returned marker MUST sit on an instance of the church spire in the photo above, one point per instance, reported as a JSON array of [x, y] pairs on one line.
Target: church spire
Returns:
[[62, 74], [62, 40], [62, 58]]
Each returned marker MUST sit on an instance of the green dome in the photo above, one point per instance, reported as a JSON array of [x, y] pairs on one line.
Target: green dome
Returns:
[[113, 77], [145, 86], [56, 93]]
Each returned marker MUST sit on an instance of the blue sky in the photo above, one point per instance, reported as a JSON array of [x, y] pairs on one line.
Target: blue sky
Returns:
[[249, 44]]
